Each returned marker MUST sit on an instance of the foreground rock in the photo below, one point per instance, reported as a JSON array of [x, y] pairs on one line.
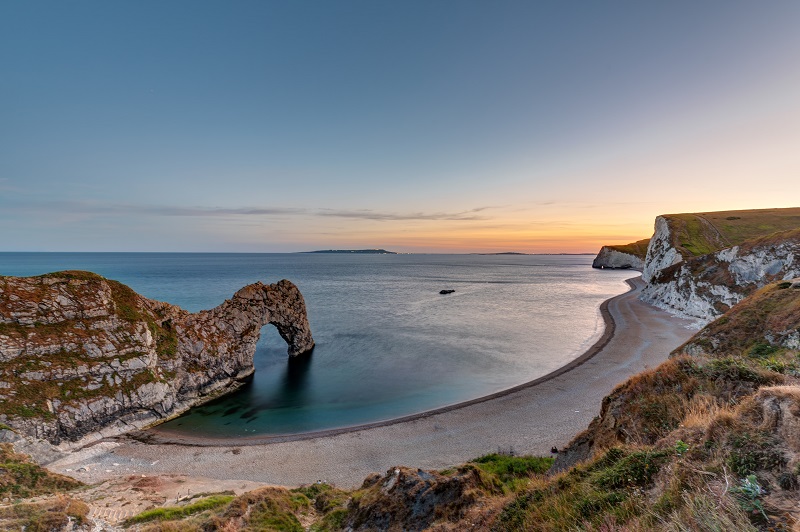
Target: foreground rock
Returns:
[[84, 357]]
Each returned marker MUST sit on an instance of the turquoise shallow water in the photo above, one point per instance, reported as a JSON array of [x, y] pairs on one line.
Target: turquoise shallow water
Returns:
[[388, 344]]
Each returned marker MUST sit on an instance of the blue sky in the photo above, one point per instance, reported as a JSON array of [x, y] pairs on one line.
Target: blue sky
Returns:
[[415, 126]]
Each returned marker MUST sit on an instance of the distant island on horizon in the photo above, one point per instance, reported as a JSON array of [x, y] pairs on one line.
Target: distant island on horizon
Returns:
[[364, 251], [518, 253], [502, 253]]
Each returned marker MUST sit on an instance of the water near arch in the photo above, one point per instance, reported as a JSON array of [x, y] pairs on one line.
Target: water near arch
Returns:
[[388, 343]]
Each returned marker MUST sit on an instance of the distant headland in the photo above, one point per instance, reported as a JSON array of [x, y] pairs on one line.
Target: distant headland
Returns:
[[370, 251]]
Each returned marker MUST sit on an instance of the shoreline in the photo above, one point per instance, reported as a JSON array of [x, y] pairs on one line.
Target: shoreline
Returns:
[[156, 435], [527, 419]]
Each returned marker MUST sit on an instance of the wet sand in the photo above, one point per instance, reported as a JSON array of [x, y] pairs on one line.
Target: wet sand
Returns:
[[528, 419]]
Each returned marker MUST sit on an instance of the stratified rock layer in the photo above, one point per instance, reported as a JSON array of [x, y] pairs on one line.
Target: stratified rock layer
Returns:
[[84, 357]]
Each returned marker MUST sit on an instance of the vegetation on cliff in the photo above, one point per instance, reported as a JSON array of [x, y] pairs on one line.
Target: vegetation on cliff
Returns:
[[637, 249], [701, 233], [20, 479]]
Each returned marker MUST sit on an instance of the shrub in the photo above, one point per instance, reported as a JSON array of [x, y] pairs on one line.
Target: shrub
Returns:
[[748, 494]]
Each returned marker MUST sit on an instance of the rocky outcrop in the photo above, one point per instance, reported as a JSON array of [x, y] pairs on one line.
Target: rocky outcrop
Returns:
[[629, 256], [617, 260], [84, 357], [704, 287], [661, 252], [413, 499]]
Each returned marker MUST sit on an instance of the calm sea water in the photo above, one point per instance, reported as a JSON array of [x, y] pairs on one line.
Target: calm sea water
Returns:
[[388, 344]]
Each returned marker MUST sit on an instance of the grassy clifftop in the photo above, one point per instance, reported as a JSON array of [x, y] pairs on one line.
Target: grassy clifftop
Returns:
[[638, 248], [701, 233]]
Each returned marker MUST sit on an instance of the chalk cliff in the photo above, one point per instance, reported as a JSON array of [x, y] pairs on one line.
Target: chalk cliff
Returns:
[[662, 252], [629, 256], [707, 286], [697, 265], [84, 357]]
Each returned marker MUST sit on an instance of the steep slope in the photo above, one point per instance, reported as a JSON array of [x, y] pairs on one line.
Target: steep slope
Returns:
[[764, 326], [678, 237], [84, 357], [622, 257], [726, 406], [706, 286]]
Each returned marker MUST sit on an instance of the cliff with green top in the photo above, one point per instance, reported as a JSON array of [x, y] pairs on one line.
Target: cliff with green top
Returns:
[[622, 257], [699, 265]]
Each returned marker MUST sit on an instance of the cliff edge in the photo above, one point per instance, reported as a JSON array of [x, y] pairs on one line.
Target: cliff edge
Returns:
[[699, 265], [84, 357], [628, 256]]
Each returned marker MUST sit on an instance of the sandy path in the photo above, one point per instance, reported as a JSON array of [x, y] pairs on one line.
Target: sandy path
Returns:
[[529, 420]]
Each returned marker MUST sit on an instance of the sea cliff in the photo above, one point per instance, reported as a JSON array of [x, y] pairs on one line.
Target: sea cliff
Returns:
[[84, 357], [628, 256], [699, 265]]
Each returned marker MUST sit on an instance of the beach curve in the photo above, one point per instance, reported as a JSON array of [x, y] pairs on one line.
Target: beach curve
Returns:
[[527, 419]]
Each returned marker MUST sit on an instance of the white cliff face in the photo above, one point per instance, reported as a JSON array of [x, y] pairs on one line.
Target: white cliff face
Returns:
[[660, 252], [83, 357], [703, 288], [611, 258]]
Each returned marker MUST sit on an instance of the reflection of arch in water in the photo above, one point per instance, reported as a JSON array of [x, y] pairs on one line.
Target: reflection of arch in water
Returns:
[[285, 384], [295, 385]]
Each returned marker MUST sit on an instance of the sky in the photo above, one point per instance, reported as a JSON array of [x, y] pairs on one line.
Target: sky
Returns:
[[416, 126]]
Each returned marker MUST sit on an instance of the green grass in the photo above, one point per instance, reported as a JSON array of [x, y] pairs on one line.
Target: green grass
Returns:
[[706, 232], [508, 468], [638, 248], [695, 235], [607, 489], [170, 513], [73, 274], [739, 226]]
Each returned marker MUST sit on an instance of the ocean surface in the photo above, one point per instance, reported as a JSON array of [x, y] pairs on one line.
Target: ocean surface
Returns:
[[387, 343]]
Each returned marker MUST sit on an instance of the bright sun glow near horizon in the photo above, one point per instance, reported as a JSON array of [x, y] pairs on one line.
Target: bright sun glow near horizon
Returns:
[[261, 126]]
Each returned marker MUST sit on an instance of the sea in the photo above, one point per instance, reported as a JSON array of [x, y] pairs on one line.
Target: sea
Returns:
[[388, 344]]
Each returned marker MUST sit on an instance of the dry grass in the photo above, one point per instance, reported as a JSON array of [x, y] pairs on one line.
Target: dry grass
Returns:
[[791, 391], [702, 410], [43, 516]]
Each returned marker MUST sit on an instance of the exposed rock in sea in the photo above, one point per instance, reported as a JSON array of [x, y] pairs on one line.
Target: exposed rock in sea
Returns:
[[85, 357]]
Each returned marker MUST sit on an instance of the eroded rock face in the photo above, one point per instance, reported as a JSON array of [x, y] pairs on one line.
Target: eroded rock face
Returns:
[[611, 258], [84, 357], [661, 252], [704, 287]]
